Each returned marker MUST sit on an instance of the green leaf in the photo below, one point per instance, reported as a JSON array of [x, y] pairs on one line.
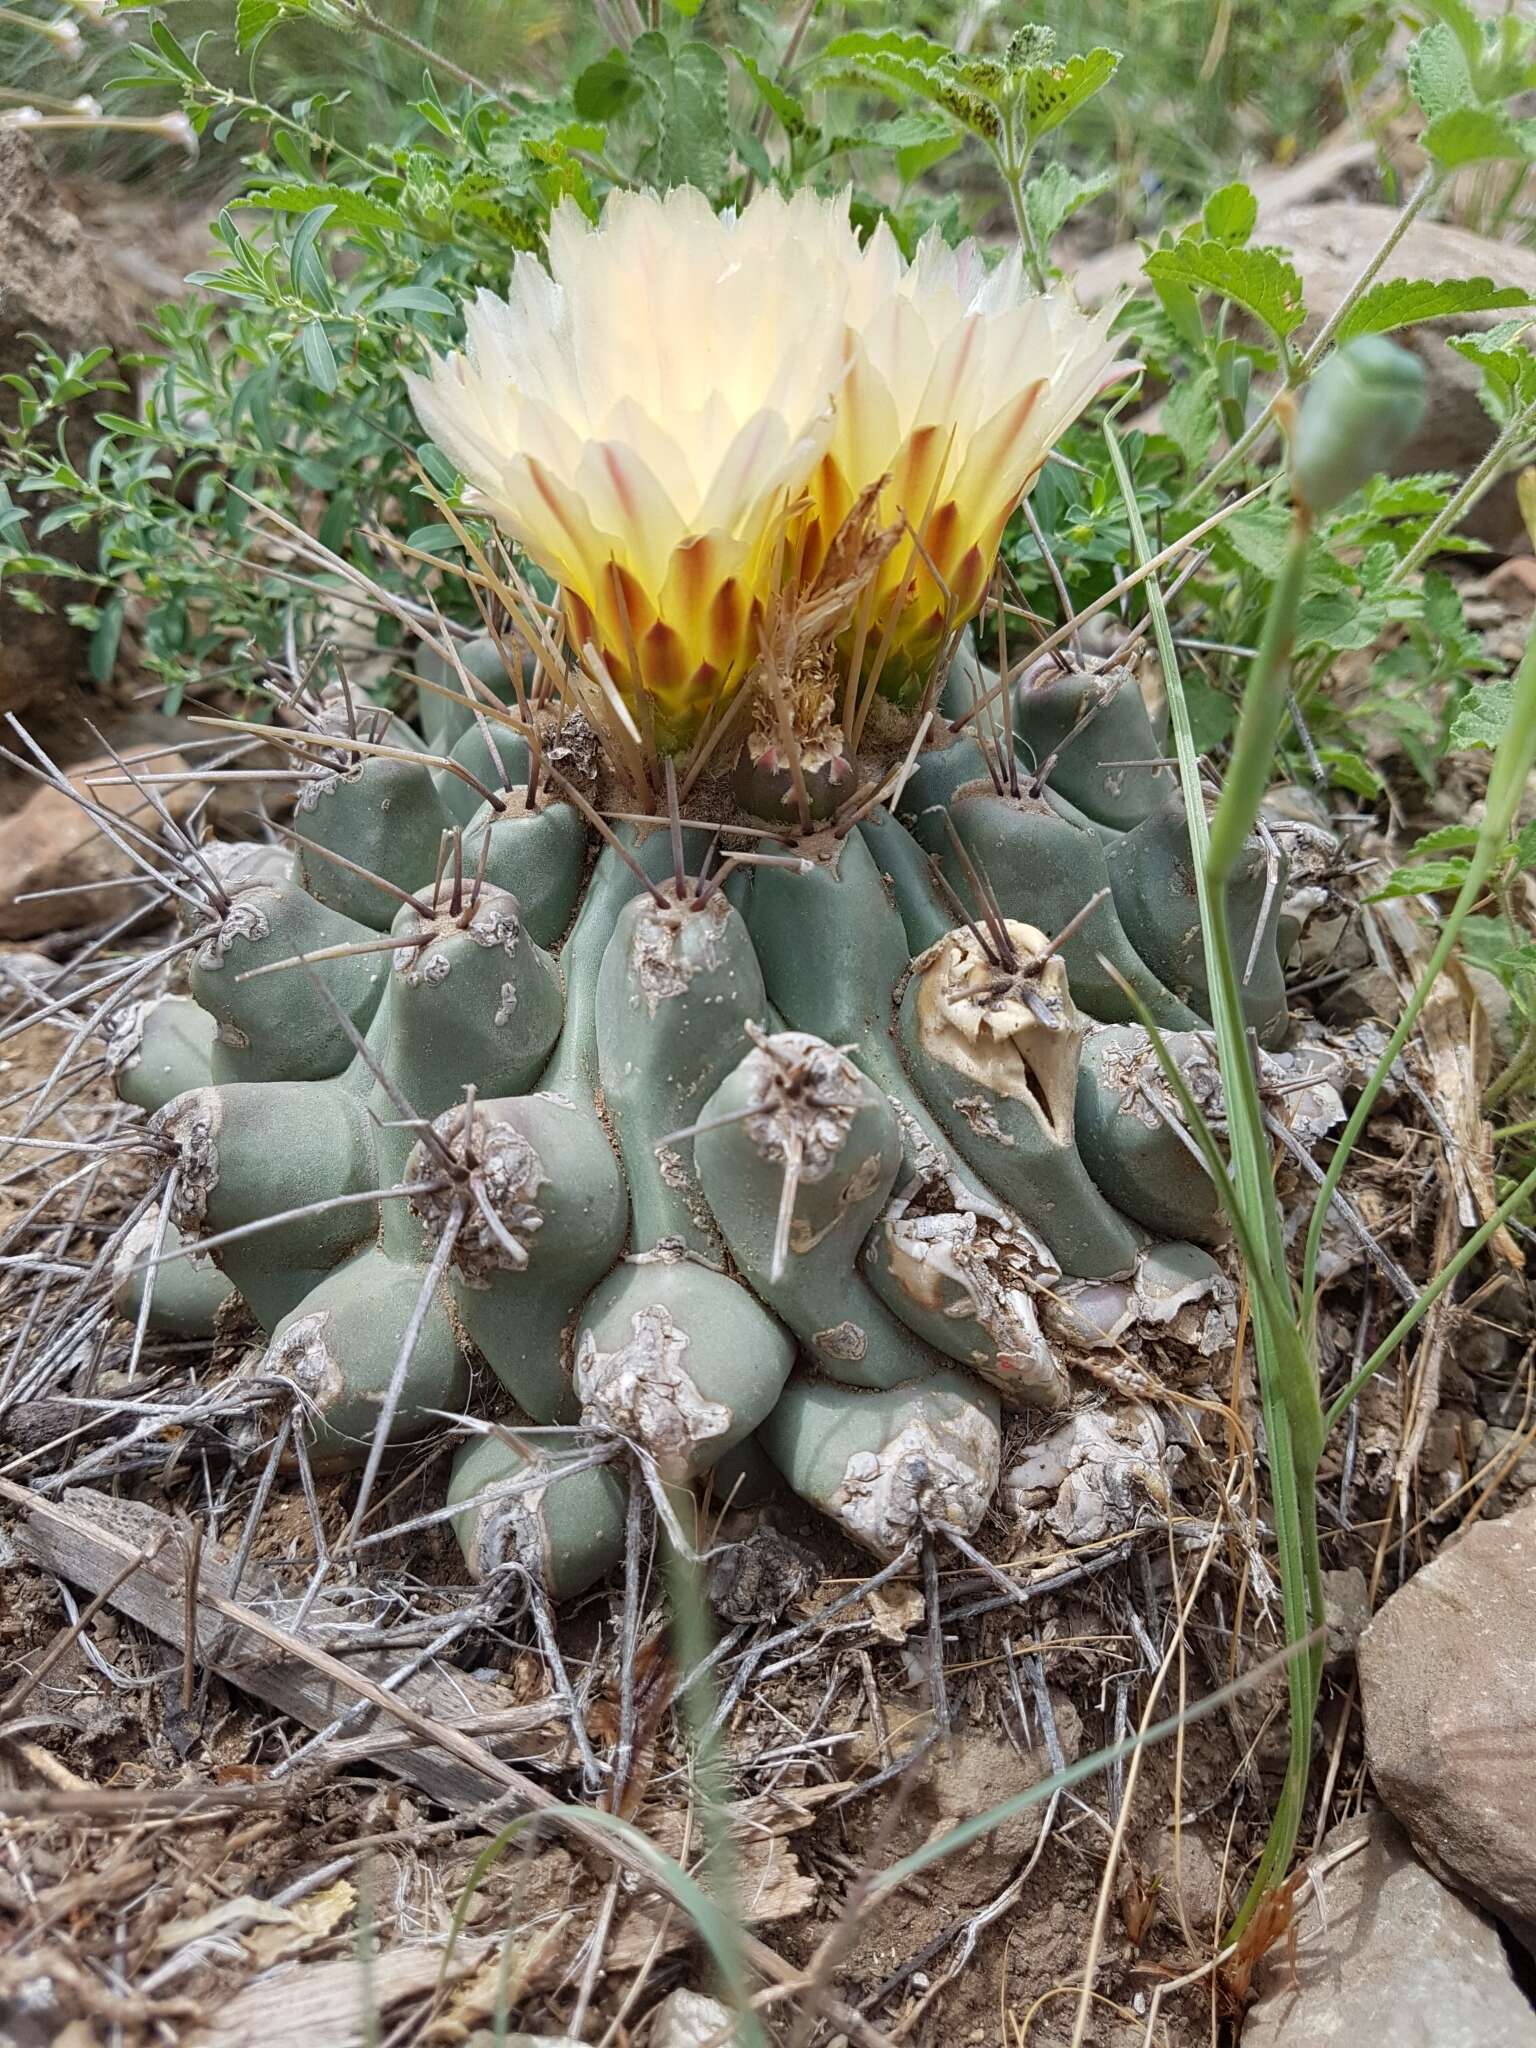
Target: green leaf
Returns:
[[1437, 73], [1444, 839], [1483, 715], [1054, 92], [903, 62], [1230, 214], [606, 88], [787, 110], [350, 208], [1350, 771], [690, 86], [913, 158], [319, 357], [1263, 281], [1339, 620], [1425, 878], [103, 658], [255, 19], [1405, 301], [175, 55], [1191, 417], [1054, 194], [687, 7], [1475, 135], [413, 298], [1507, 364]]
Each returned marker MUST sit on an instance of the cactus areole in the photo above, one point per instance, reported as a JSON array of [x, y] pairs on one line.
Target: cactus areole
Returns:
[[708, 1007]]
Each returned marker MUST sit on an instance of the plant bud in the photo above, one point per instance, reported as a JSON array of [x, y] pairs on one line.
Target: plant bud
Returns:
[[1358, 414]]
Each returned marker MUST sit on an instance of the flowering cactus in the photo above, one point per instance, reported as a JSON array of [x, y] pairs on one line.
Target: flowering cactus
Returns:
[[753, 1116]]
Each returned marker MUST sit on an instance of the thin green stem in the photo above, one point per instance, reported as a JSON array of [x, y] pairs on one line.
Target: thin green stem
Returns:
[[1501, 456], [1012, 162]]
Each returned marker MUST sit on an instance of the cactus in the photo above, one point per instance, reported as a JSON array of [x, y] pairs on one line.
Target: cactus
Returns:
[[809, 1163]]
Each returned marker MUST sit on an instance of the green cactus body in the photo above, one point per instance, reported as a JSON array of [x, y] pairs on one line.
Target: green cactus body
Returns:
[[1152, 873], [1081, 719], [188, 1293], [883, 1462], [543, 1167], [444, 721], [671, 1353], [167, 1050], [284, 1029], [383, 815], [538, 856], [567, 1532], [1131, 1134], [250, 1150], [341, 1345], [1045, 871], [496, 757], [639, 1142], [470, 996], [801, 1153]]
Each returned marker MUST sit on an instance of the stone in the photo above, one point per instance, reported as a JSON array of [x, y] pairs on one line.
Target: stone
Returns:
[[1346, 1613], [687, 2019], [1448, 1685], [1401, 1961], [52, 287], [50, 843]]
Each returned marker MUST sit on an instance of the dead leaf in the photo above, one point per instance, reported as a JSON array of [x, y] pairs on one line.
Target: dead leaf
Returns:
[[309, 1921], [895, 1610]]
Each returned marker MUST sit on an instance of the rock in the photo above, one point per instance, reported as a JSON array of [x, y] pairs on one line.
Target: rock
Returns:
[[1401, 1963], [687, 2019], [50, 843], [1191, 1886], [51, 286], [1329, 244], [1346, 1612], [1448, 1683]]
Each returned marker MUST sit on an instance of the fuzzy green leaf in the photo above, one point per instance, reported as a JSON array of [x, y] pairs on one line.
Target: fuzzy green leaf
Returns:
[[1191, 418], [1351, 771], [1482, 717], [1475, 135], [1263, 281], [1054, 194], [605, 88], [1405, 301], [1508, 364], [350, 208], [254, 20], [1424, 878], [1230, 215], [789, 111], [1437, 72], [1054, 92]]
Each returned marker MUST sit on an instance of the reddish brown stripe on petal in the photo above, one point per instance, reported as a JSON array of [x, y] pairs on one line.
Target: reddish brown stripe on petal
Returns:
[[663, 659], [629, 599], [693, 566], [579, 618], [727, 620], [940, 536], [970, 579]]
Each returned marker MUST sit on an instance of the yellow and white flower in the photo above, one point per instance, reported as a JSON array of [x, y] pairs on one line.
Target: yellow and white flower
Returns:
[[961, 379], [674, 418], [643, 416]]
